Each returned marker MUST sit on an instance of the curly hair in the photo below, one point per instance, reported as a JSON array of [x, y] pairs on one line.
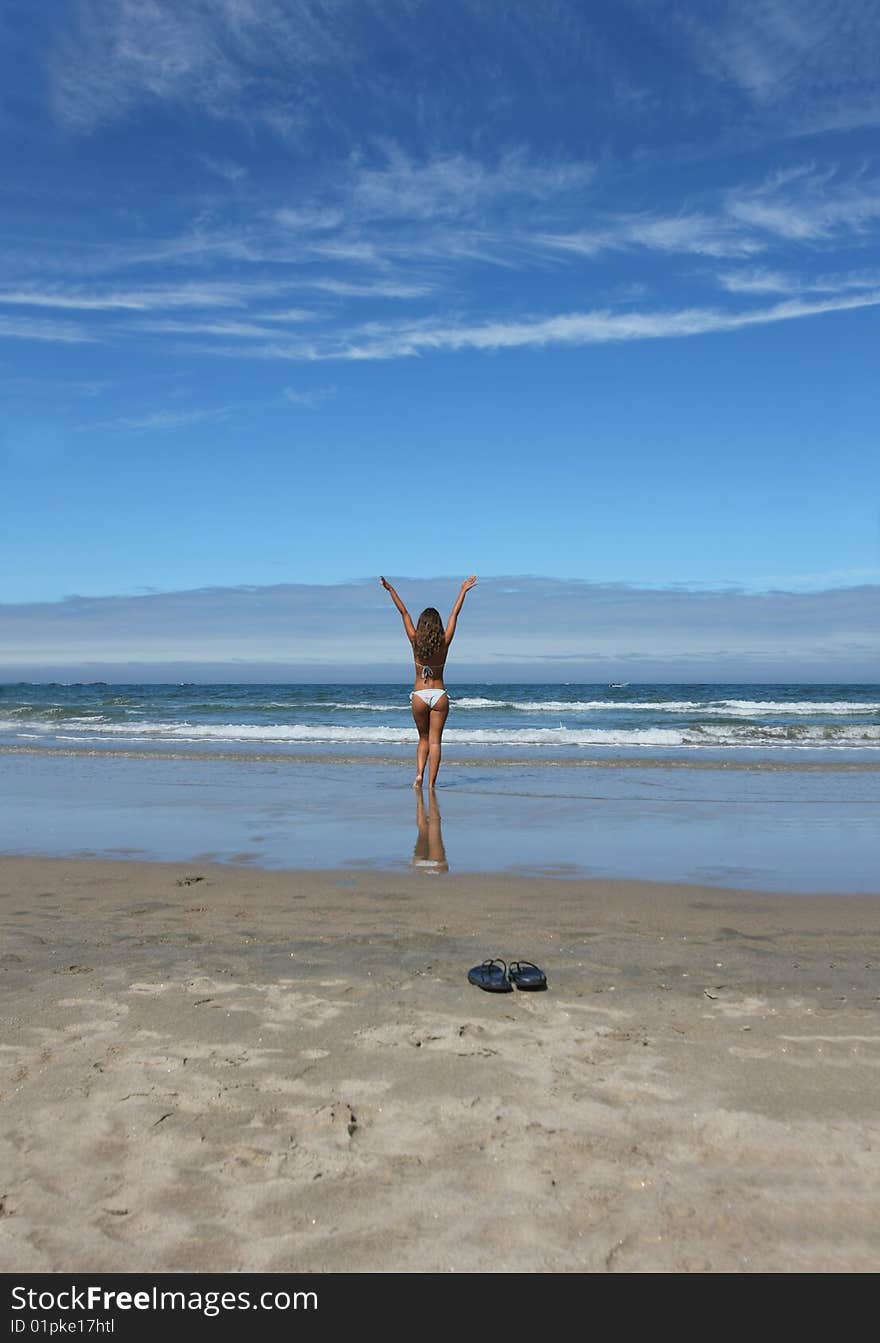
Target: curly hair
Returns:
[[430, 635]]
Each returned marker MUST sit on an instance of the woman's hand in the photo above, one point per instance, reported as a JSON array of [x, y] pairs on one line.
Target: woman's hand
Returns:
[[469, 583], [386, 585]]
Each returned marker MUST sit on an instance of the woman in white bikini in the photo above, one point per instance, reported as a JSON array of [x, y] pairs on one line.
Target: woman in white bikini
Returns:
[[430, 702]]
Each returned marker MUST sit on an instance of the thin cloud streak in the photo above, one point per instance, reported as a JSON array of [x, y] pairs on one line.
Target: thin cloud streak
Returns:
[[371, 289], [26, 328], [310, 399], [160, 420], [286, 315], [216, 294], [759, 281], [169, 327], [698, 234], [572, 329]]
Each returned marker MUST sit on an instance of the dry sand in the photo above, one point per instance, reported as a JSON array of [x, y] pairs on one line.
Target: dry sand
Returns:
[[227, 1069]]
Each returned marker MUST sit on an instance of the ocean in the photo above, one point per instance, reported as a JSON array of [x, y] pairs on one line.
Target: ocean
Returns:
[[555, 722]]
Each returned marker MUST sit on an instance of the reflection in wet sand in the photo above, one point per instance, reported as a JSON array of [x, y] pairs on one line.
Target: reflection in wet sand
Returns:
[[429, 853]]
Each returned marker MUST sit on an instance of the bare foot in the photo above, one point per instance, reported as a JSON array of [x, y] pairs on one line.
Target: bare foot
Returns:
[[417, 781]]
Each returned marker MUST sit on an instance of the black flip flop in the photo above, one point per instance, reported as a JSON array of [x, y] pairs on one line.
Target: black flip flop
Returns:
[[526, 976], [491, 976]]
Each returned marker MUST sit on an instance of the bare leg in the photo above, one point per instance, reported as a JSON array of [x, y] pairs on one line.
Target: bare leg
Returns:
[[422, 715], [435, 735]]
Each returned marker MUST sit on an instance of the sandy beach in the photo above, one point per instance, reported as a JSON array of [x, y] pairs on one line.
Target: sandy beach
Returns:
[[221, 1068]]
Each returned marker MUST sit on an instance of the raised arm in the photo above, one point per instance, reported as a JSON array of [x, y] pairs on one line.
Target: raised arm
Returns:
[[459, 603], [405, 615]]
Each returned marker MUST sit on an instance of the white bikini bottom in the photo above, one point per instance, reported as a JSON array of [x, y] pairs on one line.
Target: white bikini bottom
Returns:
[[429, 697]]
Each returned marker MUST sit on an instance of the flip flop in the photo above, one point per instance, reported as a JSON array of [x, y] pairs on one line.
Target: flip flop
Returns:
[[491, 976], [527, 976]]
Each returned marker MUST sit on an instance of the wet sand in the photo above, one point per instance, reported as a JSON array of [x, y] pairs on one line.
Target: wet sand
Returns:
[[766, 829], [219, 1068]]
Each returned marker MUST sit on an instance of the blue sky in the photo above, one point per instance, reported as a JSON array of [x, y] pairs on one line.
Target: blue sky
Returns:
[[301, 291]]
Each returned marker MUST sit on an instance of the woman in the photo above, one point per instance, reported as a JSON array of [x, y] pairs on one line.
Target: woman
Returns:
[[430, 702]]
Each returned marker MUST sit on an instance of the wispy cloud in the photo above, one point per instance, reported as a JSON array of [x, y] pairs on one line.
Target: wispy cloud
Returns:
[[800, 208], [309, 219], [287, 315], [210, 294], [348, 249], [161, 420], [756, 280], [452, 213], [172, 327], [120, 53], [804, 205], [200, 245], [455, 185], [812, 63], [764, 47], [600, 327], [778, 51], [225, 168], [27, 328], [288, 64], [432, 209], [87, 387], [310, 399], [691, 233], [371, 288]]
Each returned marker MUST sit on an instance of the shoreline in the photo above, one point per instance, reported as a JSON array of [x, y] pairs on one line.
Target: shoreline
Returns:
[[211, 1067], [121, 862], [700, 757]]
